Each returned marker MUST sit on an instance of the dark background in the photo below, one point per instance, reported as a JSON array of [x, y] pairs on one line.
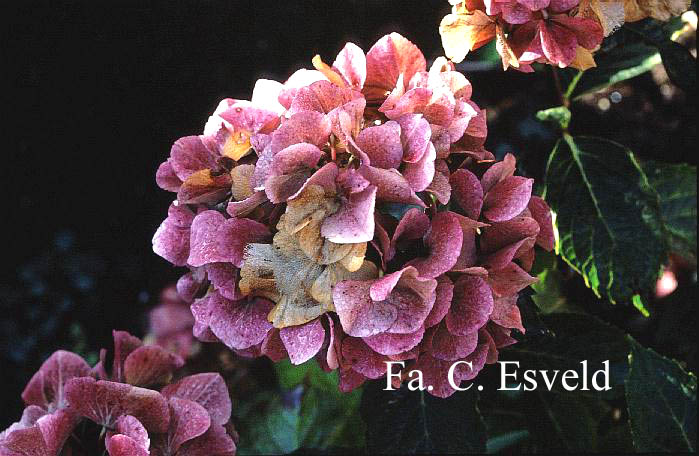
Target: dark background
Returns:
[[95, 92]]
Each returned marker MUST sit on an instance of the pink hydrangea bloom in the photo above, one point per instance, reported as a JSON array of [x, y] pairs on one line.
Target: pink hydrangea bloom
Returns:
[[360, 221], [525, 31], [189, 417]]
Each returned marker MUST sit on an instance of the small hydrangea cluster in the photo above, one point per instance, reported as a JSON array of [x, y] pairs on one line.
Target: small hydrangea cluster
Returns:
[[352, 214], [170, 324], [526, 31], [187, 418]]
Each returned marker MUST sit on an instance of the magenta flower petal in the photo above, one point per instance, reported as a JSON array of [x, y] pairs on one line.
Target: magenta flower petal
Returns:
[[558, 43], [170, 319], [214, 442], [382, 143], [506, 313], [476, 132], [357, 354], [516, 13], [413, 297], [204, 187], [214, 239], [498, 172], [413, 101], [509, 280], [171, 240], [150, 364], [444, 242], [500, 259], [359, 315], [129, 438], [166, 178], [440, 186], [309, 126], [421, 173], [471, 306], [301, 78], [104, 402], [507, 198], [501, 336], [246, 206], [505, 234], [289, 170], [352, 181], [243, 115], [45, 438], [560, 6], [303, 342], [393, 344], [322, 97], [239, 324], [444, 294], [204, 239], [449, 347], [208, 390], [294, 157], [273, 347], [467, 192], [188, 420], [189, 155], [415, 136], [325, 177], [201, 310], [123, 445], [351, 64], [224, 278], [354, 221], [350, 379], [413, 225], [390, 57], [46, 387], [391, 185], [189, 285], [468, 255], [542, 214]]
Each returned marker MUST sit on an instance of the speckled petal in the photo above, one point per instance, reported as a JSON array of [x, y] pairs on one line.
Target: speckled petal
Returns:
[[303, 342], [507, 198], [444, 242], [471, 305], [239, 324]]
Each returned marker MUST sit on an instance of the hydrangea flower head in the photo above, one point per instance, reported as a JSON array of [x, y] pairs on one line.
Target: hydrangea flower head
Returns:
[[352, 214], [186, 418], [526, 31]]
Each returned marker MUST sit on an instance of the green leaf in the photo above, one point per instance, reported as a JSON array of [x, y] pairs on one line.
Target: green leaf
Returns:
[[409, 422], [396, 210], [273, 428], [619, 64], [680, 65], [502, 441], [662, 401], [559, 115], [606, 215], [566, 422], [310, 413], [549, 296], [677, 187], [576, 338]]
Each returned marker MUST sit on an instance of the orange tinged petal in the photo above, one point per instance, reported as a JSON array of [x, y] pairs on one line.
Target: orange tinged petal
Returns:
[[463, 32], [328, 72]]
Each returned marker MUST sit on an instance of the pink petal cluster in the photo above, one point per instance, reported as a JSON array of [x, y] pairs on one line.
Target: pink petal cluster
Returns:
[[525, 31], [186, 418], [352, 214], [171, 323]]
